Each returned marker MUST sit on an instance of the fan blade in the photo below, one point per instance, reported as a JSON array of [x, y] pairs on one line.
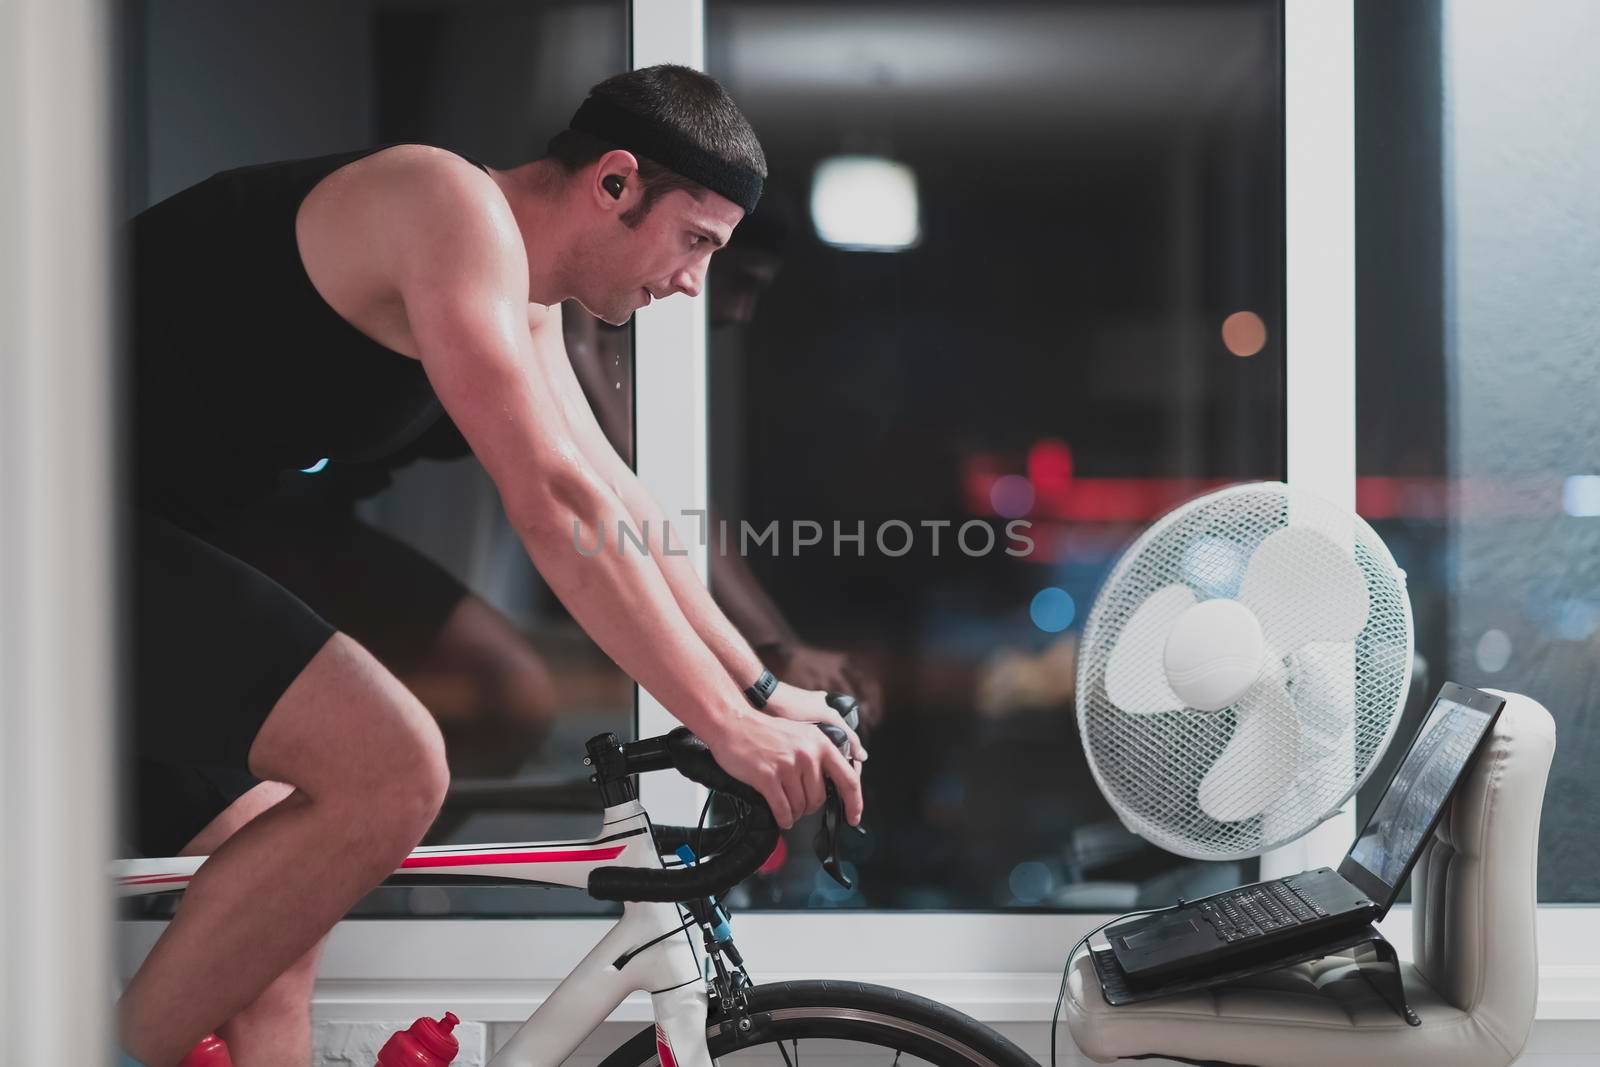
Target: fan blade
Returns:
[[1136, 679], [1322, 683], [1323, 686], [1303, 587], [1260, 759]]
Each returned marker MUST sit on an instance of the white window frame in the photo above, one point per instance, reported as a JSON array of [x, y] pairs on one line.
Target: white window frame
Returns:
[[999, 967]]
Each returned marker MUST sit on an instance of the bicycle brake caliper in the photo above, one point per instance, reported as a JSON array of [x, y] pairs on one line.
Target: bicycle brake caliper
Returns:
[[730, 988]]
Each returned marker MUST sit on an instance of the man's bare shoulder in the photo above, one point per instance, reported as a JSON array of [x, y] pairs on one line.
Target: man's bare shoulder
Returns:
[[433, 198], [404, 220], [405, 210]]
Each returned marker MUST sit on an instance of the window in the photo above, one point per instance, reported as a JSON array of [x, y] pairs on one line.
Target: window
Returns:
[[1478, 459], [1064, 306]]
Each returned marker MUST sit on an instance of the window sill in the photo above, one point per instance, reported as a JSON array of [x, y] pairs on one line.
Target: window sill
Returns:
[[501, 970]]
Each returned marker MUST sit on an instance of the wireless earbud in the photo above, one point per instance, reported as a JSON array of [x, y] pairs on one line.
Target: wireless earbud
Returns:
[[612, 183]]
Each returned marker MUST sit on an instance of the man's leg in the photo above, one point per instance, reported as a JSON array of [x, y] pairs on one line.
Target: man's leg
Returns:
[[276, 1028], [367, 766], [489, 689]]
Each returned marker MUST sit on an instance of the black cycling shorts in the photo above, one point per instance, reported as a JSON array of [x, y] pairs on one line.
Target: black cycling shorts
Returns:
[[228, 606]]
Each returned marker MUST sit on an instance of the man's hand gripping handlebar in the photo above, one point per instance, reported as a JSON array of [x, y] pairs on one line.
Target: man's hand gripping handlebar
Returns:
[[735, 848]]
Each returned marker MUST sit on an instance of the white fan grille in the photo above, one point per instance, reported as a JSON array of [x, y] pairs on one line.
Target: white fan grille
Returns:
[[1346, 697]]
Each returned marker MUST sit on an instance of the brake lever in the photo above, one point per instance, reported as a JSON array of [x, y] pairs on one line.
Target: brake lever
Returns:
[[826, 843], [849, 710]]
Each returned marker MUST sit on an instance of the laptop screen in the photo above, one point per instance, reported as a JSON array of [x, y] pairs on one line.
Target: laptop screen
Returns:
[[1411, 805]]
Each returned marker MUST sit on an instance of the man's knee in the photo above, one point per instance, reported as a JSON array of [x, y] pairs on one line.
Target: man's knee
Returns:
[[347, 732]]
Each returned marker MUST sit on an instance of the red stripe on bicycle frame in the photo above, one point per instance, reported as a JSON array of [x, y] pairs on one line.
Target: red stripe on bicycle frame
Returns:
[[664, 1050], [477, 859], [152, 879]]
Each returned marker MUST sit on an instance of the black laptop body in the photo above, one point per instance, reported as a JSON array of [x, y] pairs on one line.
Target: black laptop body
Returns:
[[1273, 918]]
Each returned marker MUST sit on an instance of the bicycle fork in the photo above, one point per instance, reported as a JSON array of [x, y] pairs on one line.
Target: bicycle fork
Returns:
[[646, 950]]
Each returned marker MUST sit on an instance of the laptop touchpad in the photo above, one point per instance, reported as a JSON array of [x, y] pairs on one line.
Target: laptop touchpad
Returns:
[[1156, 934]]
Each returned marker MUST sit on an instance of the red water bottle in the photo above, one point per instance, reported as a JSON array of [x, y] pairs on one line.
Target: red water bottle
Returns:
[[210, 1052], [426, 1044]]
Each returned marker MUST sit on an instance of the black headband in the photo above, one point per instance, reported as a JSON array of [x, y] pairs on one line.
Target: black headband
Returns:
[[643, 137]]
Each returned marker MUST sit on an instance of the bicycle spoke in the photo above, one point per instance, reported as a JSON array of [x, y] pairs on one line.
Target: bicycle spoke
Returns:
[[863, 1023]]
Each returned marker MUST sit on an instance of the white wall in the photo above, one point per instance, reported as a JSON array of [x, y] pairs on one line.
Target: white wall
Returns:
[[55, 574]]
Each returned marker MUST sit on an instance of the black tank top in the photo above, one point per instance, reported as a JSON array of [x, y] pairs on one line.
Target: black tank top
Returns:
[[241, 372]]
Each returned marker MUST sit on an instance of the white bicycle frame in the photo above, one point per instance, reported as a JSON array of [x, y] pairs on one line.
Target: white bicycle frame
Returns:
[[643, 951]]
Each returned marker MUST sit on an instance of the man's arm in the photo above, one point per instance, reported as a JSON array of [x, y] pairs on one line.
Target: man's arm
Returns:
[[739, 596], [642, 513], [709, 621], [733, 584], [463, 277]]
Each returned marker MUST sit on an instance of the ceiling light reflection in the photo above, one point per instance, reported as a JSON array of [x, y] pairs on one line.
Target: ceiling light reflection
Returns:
[[865, 204]]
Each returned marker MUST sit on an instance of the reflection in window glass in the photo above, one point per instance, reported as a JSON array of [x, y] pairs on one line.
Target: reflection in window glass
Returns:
[[440, 586], [1477, 231], [1015, 262]]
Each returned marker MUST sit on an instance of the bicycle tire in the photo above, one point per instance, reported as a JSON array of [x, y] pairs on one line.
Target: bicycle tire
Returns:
[[850, 1011]]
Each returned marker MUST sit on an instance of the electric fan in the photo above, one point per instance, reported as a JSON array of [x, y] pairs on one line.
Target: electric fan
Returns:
[[1242, 670]]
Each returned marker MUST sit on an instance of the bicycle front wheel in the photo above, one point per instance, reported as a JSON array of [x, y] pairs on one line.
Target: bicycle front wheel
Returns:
[[842, 1022]]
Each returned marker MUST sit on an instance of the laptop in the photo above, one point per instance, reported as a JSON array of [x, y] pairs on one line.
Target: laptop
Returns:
[[1268, 918]]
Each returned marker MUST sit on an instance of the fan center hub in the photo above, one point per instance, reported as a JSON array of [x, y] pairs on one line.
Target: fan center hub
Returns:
[[1214, 653]]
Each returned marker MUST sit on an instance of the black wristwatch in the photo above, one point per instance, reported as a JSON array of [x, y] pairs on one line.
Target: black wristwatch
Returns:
[[761, 692]]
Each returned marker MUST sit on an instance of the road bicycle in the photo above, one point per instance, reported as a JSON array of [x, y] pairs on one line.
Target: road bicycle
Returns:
[[670, 880]]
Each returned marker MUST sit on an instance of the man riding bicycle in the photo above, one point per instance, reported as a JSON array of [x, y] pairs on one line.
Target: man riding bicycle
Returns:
[[335, 309]]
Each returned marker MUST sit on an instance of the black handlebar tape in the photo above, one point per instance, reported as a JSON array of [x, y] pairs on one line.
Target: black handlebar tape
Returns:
[[703, 839], [750, 849], [752, 841], [693, 759], [848, 710], [708, 839], [744, 845], [646, 755]]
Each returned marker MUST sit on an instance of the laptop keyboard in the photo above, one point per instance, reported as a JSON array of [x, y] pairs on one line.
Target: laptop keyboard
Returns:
[[1261, 909]]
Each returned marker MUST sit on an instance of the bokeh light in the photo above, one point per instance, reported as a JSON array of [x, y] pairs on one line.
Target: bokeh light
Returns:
[[1031, 882], [1244, 333], [1052, 609], [1494, 651], [1050, 467], [1011, 496], [1577, 620], [865, 204]]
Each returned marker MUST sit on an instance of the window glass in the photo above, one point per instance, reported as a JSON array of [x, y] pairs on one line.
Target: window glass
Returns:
[[1478, 458], [451, 601], [1015, 261]]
